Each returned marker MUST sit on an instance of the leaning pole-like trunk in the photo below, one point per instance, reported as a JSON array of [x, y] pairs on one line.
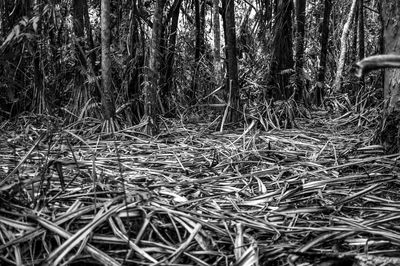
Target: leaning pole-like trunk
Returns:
[[107, 98], [343, 48]]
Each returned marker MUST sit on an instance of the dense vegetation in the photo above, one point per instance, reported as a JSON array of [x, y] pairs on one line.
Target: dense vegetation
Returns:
[[51, 58], [199, 132]]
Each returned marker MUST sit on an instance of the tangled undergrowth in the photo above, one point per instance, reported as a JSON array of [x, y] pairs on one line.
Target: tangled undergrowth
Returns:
[[316, 195]]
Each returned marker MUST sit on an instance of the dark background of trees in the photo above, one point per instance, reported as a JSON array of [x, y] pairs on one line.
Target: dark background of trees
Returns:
[[165, 59]]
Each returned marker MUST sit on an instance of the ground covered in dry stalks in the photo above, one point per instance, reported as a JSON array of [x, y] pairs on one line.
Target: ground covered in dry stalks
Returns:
[[316, 195]]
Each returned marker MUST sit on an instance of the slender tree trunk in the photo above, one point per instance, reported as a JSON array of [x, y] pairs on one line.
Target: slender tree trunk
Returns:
[[299, 60], [282, 53], [343, 48], [361, 31], [168, 85], [92, 68], [153, 75], [320, 87], [361, 40], [391, 42], [89, 35], [39, 99], [136, 63], [232, 83], [199, 47], [354, 51], [108, 94], [79, 10], [217, 43], [1, 19], [381, 42], [56, 97], [134, 52], [81, 94]]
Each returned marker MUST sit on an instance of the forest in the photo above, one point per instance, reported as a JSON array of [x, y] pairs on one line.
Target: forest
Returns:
[[200, 132]]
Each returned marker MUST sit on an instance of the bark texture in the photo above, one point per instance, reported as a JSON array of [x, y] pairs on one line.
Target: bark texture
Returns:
[[343, 47], [320, 87], [391, 27], [107, 98], [299, 60], [217, 42], [282, 55], [151, 103], [232, 83]]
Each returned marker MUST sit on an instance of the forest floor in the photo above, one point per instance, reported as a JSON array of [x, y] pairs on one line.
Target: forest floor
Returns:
[[319, 194]]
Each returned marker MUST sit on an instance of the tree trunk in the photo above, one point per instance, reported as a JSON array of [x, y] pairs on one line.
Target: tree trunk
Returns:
[[282, 53], [361, 31], [320, 87], [107, 98], [299, 60], [232, 83], [39, 99], [78, 8], [217, 43], [343, 48], [153, 74], [391, 23], [2, 32], [168, 84], [89, 35], [354, 51], [80, 93], [381, 44], [136, 63], [199, 48]]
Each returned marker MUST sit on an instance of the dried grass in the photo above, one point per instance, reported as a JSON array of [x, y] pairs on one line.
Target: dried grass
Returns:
[[190, 196]]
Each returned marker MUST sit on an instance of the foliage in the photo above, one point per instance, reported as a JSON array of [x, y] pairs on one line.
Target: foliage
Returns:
[[43, 41]]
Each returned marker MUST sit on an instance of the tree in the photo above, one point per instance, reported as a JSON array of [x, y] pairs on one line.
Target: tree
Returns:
[[135, 63], [107, 98], [167, 83], [299, 59], [1, 20], [343, 46], [199, 46], [232, 82], [153, 74], [78, 10], [320, 86], [282, 53], [217, 42], [39, 102], [391, 27], [361, 31], [89, 38]]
